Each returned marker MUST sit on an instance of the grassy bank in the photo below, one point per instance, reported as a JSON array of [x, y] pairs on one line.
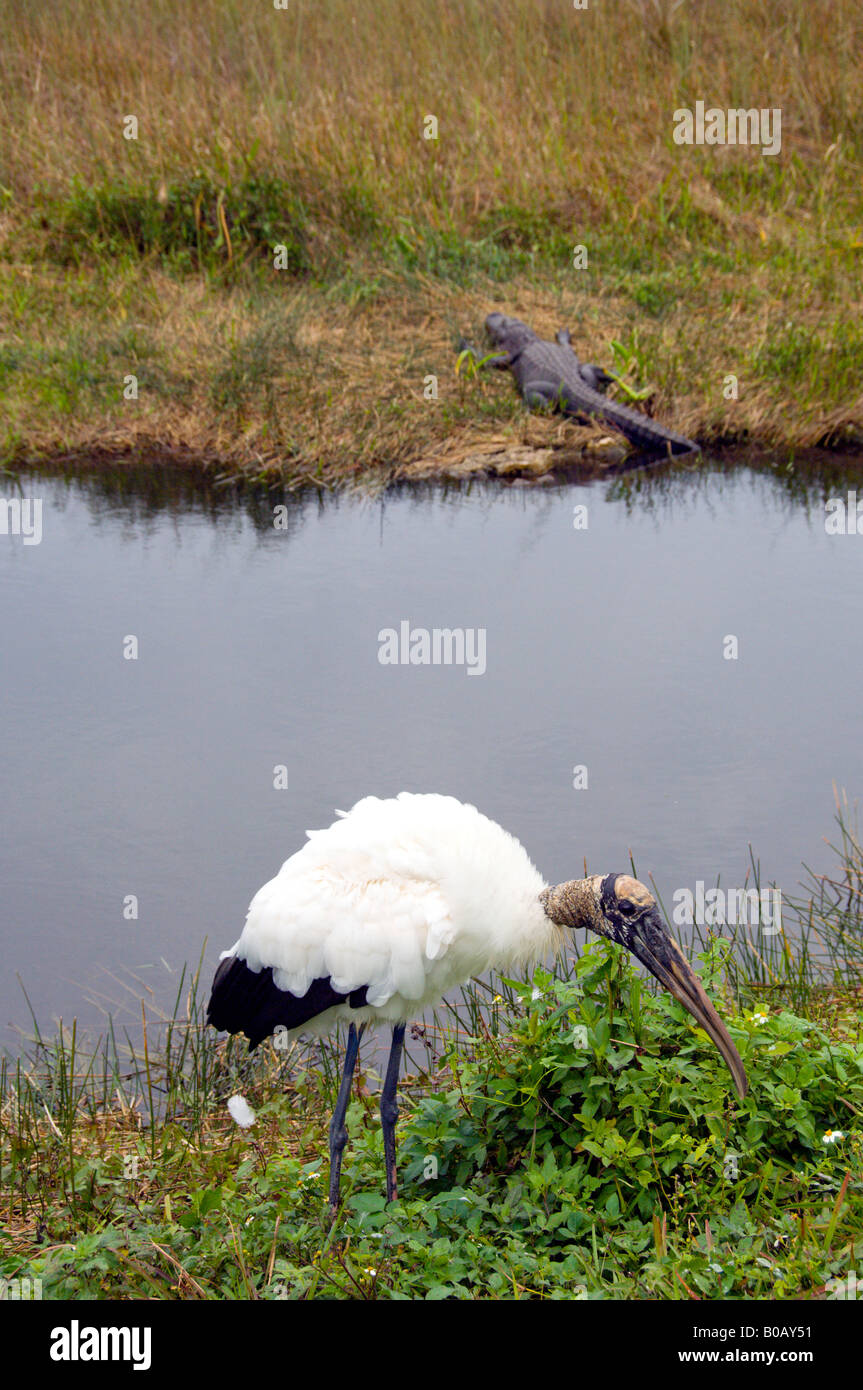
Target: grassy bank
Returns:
[[572, 1135], [153, 257]]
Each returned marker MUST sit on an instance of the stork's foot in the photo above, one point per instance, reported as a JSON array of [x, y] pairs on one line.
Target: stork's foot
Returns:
[[389, 1115]]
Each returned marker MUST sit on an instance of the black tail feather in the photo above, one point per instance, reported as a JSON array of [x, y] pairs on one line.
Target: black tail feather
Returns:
[[249, 1001]]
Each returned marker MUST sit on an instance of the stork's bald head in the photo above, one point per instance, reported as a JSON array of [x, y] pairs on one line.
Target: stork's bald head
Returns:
[[620, 908]]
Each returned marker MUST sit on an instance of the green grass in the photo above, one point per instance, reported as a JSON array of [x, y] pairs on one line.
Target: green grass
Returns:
[[193, 225], [531, 1166], [571, 1135]]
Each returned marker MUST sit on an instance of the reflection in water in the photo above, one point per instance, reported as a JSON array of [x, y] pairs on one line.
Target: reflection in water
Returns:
[[143, 802], [141, 492]]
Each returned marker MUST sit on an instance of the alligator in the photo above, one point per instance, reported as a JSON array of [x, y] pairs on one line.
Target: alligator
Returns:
[[551, 374]]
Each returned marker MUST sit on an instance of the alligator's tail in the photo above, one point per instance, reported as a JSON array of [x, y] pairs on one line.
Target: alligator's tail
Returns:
[[639, 429]]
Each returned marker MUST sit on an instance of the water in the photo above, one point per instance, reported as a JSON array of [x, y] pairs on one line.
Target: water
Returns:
[[259, 647]]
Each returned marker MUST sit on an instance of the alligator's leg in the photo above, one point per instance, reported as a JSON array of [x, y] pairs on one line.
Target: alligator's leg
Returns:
[[600, 380], [596, 377], [537, 397], [501, 360]]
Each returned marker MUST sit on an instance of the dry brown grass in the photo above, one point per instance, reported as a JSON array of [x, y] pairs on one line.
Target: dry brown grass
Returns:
[[347, 399], [534, 99]]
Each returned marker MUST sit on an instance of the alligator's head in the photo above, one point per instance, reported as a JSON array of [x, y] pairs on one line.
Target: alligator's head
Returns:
[[507, 332]]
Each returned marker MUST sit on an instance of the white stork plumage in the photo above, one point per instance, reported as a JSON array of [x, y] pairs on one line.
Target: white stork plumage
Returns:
[[375, 918]]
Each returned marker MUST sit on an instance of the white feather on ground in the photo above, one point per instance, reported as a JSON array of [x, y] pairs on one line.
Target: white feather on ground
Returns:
[[241, 1112]]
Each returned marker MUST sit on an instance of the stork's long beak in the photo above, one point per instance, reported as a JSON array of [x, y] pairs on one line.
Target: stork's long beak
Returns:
[[656, 948]]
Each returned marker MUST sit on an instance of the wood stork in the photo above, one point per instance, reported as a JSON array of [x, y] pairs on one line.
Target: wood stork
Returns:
[[375, 918]]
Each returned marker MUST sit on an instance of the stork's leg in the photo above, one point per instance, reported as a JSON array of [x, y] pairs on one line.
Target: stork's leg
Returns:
[[390, 1109], [338, 1130]]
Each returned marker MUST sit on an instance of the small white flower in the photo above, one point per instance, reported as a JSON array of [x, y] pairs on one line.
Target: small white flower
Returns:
[[759, 1018], [371, 1271], [241, 1112], [717, 1269], [832, 1136], [537, 993]]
